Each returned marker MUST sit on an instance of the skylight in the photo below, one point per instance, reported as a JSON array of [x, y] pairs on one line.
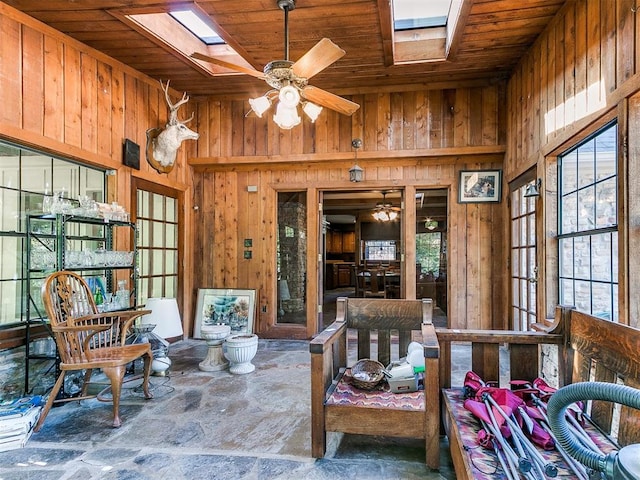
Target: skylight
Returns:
[[411, 14], [195, 25]]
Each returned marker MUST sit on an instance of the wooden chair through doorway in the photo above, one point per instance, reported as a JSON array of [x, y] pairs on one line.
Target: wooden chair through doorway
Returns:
[[374, 283], [87, 339]]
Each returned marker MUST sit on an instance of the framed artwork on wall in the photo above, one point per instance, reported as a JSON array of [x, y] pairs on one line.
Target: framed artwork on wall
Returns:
[[479, 186], [226, 306]]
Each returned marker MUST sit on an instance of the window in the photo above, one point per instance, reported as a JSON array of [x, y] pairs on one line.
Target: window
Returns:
[[410, 14], [157, 221], [192, 22], [588, 225], [524, 272], [27, 177], [428, 252], [380, 250], [185, 29], [423, 30]]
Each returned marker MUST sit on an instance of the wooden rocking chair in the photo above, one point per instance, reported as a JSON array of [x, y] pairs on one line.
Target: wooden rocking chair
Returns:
[[87, 339]]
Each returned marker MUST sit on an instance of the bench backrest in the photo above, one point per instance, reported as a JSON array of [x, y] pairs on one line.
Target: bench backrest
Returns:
[[381, 323], [588, 349], [603, 351]]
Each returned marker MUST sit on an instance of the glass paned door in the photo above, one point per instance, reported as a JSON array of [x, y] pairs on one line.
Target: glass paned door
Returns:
[[157, 221], [524, 270]]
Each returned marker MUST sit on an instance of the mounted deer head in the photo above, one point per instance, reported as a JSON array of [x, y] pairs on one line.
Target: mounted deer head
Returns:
[[163, 144]]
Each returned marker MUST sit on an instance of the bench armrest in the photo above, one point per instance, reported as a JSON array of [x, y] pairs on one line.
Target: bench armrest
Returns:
[[430, 341]]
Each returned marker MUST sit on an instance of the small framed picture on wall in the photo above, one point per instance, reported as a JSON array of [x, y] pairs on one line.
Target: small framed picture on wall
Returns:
[[479, 186]]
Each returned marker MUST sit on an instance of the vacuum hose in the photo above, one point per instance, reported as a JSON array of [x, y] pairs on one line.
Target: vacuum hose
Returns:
[[565, 396]]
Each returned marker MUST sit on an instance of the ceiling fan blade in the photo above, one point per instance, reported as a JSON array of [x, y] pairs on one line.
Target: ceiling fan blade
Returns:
[[329, 100], [321, 55], [230, 66]]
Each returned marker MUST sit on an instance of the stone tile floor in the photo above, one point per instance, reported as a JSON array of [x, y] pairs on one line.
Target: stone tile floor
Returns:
[[211, 425]]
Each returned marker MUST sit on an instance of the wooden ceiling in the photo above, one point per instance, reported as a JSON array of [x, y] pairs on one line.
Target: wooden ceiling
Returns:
[[491, 37], [342, 206]]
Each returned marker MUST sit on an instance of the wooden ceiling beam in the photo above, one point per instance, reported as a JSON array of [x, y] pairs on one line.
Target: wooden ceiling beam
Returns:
[[489, 153]]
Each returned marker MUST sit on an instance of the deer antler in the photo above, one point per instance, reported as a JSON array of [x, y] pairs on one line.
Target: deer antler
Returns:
[[173, 108]]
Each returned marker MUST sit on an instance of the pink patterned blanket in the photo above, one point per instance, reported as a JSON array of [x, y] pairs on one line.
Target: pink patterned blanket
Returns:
[[345, 393]]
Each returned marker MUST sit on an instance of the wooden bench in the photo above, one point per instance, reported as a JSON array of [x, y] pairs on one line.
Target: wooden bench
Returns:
[[379, 329], [587, 348]]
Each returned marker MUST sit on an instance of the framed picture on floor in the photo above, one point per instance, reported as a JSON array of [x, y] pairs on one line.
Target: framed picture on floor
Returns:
[[479, 186], [225, 306]]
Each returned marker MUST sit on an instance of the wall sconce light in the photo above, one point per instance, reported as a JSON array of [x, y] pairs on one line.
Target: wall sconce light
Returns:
[[356, 174], [533, 189]]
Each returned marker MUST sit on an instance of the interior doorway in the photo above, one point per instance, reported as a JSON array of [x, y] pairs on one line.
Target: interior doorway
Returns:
[[362, 238]]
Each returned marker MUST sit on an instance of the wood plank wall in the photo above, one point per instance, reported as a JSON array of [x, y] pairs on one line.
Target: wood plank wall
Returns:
[[60, 96], [424, 120], [583, 65], [581, 73], [410, 139]]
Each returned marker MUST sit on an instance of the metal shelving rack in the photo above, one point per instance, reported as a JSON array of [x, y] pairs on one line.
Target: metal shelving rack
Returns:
[[52, 236]]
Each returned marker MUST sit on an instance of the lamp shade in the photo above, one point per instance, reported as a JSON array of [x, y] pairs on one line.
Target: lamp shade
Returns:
[[165, 316], [286, 117], [260, 105], [312, 110], [284, 290]]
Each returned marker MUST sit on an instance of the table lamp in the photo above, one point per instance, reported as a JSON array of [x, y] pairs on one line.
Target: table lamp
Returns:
[[168, 324]]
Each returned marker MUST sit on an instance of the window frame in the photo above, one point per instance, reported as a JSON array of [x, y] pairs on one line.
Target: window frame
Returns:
[[588, 235], [59, 174]]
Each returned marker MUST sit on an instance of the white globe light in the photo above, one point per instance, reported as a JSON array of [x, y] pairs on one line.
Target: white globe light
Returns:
[[289, 96]]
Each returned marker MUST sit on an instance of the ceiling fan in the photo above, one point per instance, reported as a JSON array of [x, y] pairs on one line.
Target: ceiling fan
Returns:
[[385, 212], [289, 79]]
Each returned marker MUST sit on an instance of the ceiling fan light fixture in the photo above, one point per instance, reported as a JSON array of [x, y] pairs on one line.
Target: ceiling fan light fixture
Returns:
[[381, 216], [290, 79], [286, 117], [260, 105], [312, 110], [385, 212], [289, 96]]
